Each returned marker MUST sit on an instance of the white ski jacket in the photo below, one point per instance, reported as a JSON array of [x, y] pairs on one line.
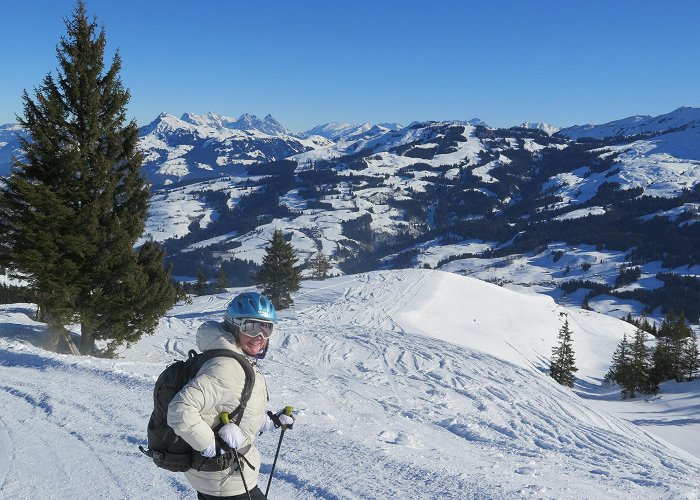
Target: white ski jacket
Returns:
[[195, 410]]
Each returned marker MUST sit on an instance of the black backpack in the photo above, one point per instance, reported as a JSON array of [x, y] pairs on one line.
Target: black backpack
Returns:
[[167, 449]]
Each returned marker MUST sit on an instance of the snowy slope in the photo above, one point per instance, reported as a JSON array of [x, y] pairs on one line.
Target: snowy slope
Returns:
[[338, 130], [684, 117], [409, 384]]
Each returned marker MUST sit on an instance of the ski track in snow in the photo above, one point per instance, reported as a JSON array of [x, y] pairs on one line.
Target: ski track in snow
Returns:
[[7, 454], [71, 406], [375, 371], [382, 413], [466, 401]]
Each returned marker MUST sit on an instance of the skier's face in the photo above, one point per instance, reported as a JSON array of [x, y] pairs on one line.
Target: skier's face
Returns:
[[252, 345]]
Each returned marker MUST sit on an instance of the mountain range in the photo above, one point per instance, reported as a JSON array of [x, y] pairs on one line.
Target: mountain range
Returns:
[[565, 212]]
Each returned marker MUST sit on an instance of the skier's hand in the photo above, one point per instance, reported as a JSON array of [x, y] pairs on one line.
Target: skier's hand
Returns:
[[276, 420], [211, 450], [287, 420], [232, 435]]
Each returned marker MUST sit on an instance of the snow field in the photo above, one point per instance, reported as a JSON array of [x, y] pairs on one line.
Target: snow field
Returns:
[[388, 406]]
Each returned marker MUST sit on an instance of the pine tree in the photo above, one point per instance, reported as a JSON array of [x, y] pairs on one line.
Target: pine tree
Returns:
[[200, 287], [682, 333], [661, 365], [128, 320], [278, 277], [74, 208], [221, 280], [620, 366], [691, 358], [669, 353], [637, 379], [319, 265], [563, 366]]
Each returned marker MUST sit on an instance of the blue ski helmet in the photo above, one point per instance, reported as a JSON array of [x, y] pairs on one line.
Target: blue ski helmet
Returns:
[[250, 305]]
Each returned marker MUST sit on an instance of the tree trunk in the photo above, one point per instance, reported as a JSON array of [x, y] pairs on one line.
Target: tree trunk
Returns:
[[87, 339], [72, 348], [53, 336]]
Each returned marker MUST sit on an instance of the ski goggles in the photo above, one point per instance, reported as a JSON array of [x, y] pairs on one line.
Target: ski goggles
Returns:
[[254, 327]]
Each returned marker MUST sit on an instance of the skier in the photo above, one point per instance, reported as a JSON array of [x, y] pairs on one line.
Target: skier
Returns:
[[199, 407]]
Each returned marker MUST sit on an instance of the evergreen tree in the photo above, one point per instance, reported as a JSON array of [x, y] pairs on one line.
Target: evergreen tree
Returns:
[[221, 280], [128, 320], [278, 277], [200, 287], [637, 378], [621, 361], [661, 362], [319, 265], [670, 350], [691, 358], [74, 208], [563, 366], [679, 341]]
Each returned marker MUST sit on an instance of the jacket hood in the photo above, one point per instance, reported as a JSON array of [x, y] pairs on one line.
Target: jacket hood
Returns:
[[213, 335]]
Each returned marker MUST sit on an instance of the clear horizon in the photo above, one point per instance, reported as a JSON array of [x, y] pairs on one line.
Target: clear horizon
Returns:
[[505, 63]]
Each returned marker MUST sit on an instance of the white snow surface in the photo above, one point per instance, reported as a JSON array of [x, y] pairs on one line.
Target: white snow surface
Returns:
[[408, 384], [680, 118]]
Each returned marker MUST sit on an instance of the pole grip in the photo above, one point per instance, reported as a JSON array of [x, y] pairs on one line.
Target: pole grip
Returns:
[[287, 411]]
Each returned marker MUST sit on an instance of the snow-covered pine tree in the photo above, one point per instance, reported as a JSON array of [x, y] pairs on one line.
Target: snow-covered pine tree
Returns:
[[563, 365], [278, 276]]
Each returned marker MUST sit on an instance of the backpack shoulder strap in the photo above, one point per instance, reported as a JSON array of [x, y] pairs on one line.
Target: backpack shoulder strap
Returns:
[[247, 369]]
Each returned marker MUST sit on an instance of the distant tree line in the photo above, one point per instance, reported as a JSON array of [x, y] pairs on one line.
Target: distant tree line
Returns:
[[11, 294]]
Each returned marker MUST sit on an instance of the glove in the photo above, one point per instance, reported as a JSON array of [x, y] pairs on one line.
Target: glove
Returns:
[[232, 435], [210, 451], [276, 420]]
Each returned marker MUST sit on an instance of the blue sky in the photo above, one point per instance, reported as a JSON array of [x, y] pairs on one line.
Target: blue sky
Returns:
[[311, 62]]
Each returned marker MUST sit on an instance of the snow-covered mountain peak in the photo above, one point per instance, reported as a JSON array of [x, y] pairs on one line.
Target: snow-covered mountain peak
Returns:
[[476, 121], [208, 120], [544, 127], [246, 121], [165, 123], [10, 127], [338, 130], [681, 118], [341, 131]]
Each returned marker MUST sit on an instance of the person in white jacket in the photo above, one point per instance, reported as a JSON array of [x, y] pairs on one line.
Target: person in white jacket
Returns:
[[196, 410]]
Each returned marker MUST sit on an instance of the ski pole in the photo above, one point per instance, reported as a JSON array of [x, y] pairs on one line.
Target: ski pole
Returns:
[[225, 420], [287, 411], [240, 469]]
